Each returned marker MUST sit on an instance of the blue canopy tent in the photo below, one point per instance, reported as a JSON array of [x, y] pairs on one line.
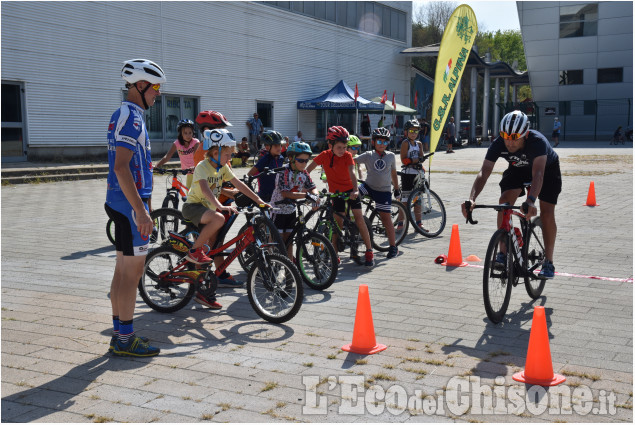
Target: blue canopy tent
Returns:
[[340, 97]]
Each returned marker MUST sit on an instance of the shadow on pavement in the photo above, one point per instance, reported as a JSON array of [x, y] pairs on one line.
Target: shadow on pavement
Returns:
[[81, 254]]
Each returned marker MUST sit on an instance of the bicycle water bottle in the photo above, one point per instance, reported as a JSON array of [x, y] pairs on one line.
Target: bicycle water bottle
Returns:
[[519, 236]]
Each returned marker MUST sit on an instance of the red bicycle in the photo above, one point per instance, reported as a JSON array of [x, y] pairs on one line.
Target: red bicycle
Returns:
[[274, 285]]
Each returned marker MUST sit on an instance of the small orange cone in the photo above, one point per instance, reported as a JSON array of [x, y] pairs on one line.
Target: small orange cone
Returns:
[[538, 367], [364, 331], [590, 199], [455, 259], [472, 258]]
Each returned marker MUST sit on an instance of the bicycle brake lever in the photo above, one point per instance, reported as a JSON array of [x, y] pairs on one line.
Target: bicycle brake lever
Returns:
[[468, 210]]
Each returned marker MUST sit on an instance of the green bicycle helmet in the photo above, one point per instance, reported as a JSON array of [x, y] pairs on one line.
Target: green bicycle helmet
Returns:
[[354, 141], [297, 148]]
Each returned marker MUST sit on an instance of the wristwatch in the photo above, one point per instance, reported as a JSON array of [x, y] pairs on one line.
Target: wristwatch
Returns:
[[532, 199]]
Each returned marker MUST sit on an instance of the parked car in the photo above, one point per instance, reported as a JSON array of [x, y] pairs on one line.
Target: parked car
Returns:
[[464, 129]]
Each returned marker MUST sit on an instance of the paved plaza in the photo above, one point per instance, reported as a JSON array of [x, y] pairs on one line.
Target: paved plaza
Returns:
[[445, 361]]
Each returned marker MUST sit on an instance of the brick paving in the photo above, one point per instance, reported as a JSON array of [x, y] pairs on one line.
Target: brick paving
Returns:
[[232, 366]]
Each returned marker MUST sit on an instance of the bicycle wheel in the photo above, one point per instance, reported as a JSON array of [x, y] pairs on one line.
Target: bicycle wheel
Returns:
[[171, 200], [356, 242], [110, 231], [378, 230], [160, 294], [432, 218], [265, 231], [167, 220], [274, 287], [533, 256], [316, 260], [498, 278]]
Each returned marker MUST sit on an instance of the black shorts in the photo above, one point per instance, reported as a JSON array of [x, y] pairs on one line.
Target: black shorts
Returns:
[[513, 178], [284, 222], [555, 134], [407, 182], [339, 205]]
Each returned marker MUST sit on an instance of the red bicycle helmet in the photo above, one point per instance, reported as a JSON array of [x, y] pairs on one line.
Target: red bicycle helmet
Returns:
[[212, 119], [337, 133]]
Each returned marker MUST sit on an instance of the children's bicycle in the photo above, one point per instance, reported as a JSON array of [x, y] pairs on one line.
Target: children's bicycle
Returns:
[[315, 256], [512, 253], [426, 211], [176, 190], [274, 285], [348, 234], [377, 228]]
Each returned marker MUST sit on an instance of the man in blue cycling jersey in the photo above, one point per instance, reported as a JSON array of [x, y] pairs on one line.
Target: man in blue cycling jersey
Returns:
[[129, 188], [531, 159]]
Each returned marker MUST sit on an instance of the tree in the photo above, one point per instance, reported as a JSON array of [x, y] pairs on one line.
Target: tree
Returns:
[[427, 28]]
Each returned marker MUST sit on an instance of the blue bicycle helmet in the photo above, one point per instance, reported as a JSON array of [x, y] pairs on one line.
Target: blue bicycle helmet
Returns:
[[297, 148]]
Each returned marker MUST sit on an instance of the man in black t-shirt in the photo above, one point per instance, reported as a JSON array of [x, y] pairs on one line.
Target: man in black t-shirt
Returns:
[[531, 159]]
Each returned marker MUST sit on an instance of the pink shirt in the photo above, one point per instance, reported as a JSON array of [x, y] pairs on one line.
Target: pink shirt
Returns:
[[186, 155]]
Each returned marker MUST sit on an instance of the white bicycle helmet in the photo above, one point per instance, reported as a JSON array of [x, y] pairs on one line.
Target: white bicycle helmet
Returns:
[[142, 70], [218, 137], [515, 122]]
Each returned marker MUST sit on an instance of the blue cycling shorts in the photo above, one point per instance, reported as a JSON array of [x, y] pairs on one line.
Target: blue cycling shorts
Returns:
[[127, 237]]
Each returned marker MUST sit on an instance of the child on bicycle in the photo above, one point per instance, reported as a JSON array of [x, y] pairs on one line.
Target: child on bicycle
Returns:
[[203, 208], [186, 145], [411, 153], [338, 165], [381, 170], [293, 183], [272, 159], [354, 146]]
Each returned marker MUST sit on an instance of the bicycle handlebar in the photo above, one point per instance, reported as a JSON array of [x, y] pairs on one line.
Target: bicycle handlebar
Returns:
[[174, 171], [247, 179], [500, 207]]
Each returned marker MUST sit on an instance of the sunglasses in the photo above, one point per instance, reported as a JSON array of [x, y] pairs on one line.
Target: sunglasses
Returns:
[[355, 148], [412, 130], [156, 87], [302, 161], [382, 142], [513, 136]]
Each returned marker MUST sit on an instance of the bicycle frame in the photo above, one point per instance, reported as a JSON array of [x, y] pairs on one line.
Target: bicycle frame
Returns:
[[507, 225], [180, 187]]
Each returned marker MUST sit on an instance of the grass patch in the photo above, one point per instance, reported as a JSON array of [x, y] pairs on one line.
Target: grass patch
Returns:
[[412, 359], [224, 406], [418, 371], [594, 159], [331, 356], [628, 406], [207, 416], [308, 364], [414, 339], [311, 334], [388, 366], [383, 377], [270, 385], [434, 362], [361, 361], [593, 377], [102, 419], [280, 404], [498, 353]]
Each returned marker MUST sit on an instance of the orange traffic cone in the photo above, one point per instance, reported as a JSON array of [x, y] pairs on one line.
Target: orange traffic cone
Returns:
[[538, 367], [590, 199], [364, 331], [455, 259]]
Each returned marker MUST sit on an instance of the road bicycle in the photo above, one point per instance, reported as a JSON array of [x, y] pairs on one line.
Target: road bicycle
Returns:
[[377, 228], [348, 234], [425, 209], [315, 256], [274, 285], [176, 190], [524, 252]]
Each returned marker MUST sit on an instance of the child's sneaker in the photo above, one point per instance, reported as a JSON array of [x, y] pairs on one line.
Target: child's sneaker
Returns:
[[370, 258], [501, 258], [114, 339], [135, 348], [212, 304], [392, 252], [198, 257], [229, 282]]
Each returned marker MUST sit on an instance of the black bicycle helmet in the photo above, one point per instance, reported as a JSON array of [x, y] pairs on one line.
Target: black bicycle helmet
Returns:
[[184, 123], [272, 137], [381, 133]]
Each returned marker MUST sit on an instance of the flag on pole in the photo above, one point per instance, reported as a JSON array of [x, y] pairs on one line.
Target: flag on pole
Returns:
[[384, 97], [454, 51], [416, 101], [356, 92], [393, 100]]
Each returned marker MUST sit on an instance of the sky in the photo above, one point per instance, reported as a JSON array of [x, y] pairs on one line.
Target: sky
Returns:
[[490, 15]]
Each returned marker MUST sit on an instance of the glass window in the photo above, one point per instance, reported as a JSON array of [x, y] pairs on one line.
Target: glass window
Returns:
[[385, 23], [368, 17], [351, 14], [394, 24], [590, 107], [402, 27], [320, 10], [610, 75], [190, 108], [341, 13], [172, 115], [11, 103], [11, 142], [330, 11], [265, 113], [578, 20], [309, 8], [564, 108], [572, 76], [154, 121]]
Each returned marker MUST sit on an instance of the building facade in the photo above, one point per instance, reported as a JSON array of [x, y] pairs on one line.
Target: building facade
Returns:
[[580, 62], [61, 64]]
